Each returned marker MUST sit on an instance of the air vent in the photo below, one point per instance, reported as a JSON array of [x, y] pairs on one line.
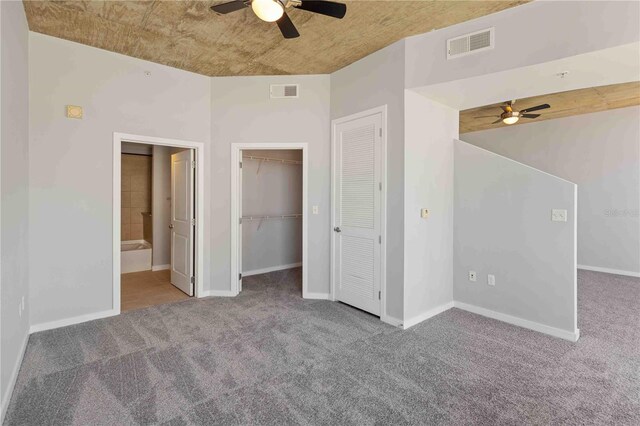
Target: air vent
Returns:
[[279, 91], [470, 43]]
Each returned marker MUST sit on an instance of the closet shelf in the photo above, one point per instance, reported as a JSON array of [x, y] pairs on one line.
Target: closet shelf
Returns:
[[268, 159], [284, 216]]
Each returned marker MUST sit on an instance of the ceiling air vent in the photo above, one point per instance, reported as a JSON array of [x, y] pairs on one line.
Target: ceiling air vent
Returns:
[[470, 43], [279, 91]]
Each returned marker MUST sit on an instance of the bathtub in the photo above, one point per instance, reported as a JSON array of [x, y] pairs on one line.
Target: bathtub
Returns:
[[135, 256]]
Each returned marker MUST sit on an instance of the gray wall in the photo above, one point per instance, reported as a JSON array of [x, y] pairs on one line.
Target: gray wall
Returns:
[[14, 180], [502, 216], [373, 81], [430, 129], [242, 111], [570, 28], [71, 170], [601, 153], [161, 205], [271, 188]]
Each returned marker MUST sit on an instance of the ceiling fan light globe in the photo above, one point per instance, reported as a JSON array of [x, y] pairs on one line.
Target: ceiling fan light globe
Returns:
[[267, 10], [511, 120]]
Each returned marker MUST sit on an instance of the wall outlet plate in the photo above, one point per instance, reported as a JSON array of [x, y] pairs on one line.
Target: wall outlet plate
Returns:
[[473, 276], [558, 215], [491, 280], [315, 209], [424, 213]]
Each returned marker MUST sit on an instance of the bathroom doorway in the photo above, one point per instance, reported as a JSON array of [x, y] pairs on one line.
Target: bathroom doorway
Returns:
[[156, 230]]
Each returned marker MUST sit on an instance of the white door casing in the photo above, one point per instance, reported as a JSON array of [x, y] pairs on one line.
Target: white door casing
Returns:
[[182, 220], [357, 212], [239, 192]]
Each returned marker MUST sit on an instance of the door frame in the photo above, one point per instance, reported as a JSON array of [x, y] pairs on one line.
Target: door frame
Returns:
[[236, 149], [382, 110], [198, 148]]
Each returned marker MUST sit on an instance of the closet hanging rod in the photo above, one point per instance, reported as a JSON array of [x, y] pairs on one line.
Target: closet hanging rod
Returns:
[[284, 216], [267, 159]]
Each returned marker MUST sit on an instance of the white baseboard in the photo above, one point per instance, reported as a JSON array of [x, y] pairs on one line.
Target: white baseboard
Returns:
[[572, 336], [155, 268], [271, 269], [317, 296], [426, 315], [75, 320], [6, 398], [395, 322], [610, 271], [217, 293]]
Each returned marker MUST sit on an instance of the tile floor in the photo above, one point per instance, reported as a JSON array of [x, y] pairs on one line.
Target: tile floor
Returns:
[[143, 289]]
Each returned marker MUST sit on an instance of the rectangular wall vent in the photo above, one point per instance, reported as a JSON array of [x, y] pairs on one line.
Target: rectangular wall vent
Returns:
[[470, 43], [279, 91]]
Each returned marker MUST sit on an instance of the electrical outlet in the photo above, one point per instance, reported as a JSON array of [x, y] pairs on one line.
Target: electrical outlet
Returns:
[[558, 215], [472, 276], [315, 209], [491, 279]]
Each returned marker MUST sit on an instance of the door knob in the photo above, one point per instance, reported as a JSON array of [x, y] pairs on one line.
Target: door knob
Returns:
[[171, 226], [337, 229]]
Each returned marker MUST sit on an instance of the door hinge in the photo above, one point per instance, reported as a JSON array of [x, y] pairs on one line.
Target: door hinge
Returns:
[[193, 280], [380, 185], [193, 164], [240, 221], [379, 239], [241, 164], [379, 295], [380, 131], [239, 277], [193, 221]]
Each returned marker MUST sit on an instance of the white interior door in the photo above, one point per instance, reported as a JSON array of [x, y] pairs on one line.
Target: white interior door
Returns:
[[182, 220], [357, 203]]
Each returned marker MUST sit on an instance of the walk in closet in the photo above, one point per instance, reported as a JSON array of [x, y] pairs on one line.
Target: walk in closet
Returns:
[[271, 210]]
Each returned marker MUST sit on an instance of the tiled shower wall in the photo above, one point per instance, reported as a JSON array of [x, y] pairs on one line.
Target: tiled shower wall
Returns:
[[136, 195]]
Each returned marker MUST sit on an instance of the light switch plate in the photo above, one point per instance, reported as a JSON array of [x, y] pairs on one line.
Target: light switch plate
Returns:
[[424, 213], [472, 276], [558, 215], [315, 209], [491, 279]]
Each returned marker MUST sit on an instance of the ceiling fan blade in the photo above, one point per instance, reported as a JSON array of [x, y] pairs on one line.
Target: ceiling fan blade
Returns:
[[328, 8], [487, 116], [497, 121], [535, 108], [287, 28], [530, 115], [229, 7]]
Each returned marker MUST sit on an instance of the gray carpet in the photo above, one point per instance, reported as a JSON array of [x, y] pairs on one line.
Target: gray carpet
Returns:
[[269, 357]]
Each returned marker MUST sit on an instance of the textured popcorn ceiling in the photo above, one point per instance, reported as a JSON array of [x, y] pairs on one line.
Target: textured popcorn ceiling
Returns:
[[187, 35]]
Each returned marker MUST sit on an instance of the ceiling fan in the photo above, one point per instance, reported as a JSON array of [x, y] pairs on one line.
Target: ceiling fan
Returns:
[[274, 11], [511, 116]]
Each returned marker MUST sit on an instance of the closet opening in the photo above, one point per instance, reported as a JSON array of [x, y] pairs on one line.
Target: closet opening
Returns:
[[269, 197], [157, 237]]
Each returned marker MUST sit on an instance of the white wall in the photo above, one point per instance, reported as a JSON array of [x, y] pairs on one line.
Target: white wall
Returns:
[[71, 162], [161, 205], [430, 129], [272, 189], [14, 181], [242, 112], [570, 28], [502, 214], [601, 153], [376, 80]]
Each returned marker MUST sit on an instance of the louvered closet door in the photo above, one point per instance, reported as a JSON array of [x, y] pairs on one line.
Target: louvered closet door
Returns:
[[357, 216]]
